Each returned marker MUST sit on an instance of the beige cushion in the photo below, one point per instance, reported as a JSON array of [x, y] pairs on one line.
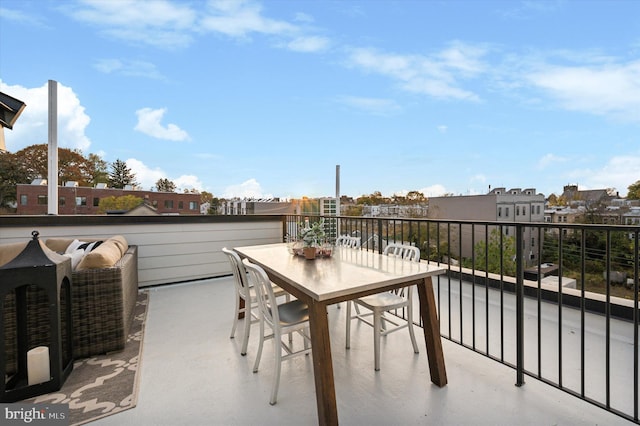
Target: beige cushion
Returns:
[[8, 252], [121, 242], [105, 255]]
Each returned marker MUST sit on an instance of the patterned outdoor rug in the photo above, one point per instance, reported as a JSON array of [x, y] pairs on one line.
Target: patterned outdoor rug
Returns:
[[104, 385]]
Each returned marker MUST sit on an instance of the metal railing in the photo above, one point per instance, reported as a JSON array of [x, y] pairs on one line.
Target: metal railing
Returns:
[[556, 302]]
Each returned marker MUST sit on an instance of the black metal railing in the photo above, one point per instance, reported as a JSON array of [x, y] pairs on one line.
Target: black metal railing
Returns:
[[556, 302]]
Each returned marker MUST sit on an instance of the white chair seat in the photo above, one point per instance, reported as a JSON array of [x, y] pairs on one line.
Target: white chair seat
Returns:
[[386, 301]]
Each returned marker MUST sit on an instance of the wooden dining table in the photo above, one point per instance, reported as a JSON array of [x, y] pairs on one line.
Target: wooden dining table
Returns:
[[348, 274]]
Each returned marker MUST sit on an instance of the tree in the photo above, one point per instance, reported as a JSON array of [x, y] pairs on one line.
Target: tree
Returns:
[[121, 175], [488, 253], [12, 172], [99, 169], [165, 185], [124, 203], [72, 166], [634, 191]]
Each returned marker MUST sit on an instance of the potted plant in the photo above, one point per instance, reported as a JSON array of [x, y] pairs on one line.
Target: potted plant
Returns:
[[312, 236]]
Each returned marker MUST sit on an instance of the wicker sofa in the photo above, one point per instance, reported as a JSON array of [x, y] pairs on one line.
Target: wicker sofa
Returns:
[[102, 304]]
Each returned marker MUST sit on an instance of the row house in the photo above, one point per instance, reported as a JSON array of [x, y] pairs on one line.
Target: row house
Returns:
[[32, 199]]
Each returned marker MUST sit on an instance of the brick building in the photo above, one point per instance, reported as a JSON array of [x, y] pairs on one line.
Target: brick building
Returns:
[[73, 200]]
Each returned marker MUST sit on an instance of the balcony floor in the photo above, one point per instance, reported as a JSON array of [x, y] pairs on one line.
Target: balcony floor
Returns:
[[193, 374]]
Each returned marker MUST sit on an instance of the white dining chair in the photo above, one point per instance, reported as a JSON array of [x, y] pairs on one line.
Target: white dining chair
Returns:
[[284, 318], [244, 291], [378, 304], [348, 241]]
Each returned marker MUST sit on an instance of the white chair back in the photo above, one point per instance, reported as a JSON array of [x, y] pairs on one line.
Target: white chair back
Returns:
[[239, 273], [264, 292], [404, 251], [348, 241]]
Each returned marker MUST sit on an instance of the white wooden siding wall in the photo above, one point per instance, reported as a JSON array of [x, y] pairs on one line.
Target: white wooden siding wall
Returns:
[[168, 253]]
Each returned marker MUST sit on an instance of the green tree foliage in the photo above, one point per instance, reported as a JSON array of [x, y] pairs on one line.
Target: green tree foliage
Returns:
[[373, 199], [165, 185], [124, 203], [487, 254], [99, 169], [12, 172], [214, 203], [634, 191], [121, 175]]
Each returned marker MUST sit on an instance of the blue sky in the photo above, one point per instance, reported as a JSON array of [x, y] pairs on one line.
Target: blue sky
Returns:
[[265, 98]]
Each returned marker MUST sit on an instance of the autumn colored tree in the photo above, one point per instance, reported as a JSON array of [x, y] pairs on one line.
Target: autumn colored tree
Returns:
[[124, 203], [373, 199], [634, 191], [72, 165]]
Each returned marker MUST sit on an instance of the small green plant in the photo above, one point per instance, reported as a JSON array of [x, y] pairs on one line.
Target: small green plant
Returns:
[[312, 234]]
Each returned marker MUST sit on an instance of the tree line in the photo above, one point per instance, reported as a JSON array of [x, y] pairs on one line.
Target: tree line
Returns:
[[30, 163]]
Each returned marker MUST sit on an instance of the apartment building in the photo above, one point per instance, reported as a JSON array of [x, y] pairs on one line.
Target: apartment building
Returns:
[[501, 205], [73, 199]]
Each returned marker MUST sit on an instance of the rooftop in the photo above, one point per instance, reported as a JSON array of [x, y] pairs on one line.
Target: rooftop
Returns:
[[192, 373]]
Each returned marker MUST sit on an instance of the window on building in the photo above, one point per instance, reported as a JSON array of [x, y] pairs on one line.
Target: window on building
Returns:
[[155, 203], [96, 202], [524, 210], [43, 199], [538, 209], [193, 205], [180, 205], [517, 210], [533, 241], [506, 212], [23, 200], [168, 204], [499, 211], [81, 201], [62, 201]]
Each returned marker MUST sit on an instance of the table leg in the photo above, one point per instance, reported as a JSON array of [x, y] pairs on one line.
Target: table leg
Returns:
[[322, 364], [431, 327]]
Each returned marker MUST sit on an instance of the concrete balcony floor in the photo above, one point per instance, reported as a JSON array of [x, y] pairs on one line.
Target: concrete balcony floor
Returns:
[[193, 374]]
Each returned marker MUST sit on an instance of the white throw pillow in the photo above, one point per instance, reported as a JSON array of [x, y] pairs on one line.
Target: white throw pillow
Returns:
[[73, 246], [76, 257]]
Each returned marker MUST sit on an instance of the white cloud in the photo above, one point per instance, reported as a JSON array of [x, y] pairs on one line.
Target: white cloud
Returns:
[[619, 172], [247, 189], [149, 124], [147, 176], [309, 44], [549, 160], [129, 68], [32, 126], [610, 89], [439, 75], [442, 128], [375, 106], [153, 22], [188, 182], [239, 18], [436, 190]]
